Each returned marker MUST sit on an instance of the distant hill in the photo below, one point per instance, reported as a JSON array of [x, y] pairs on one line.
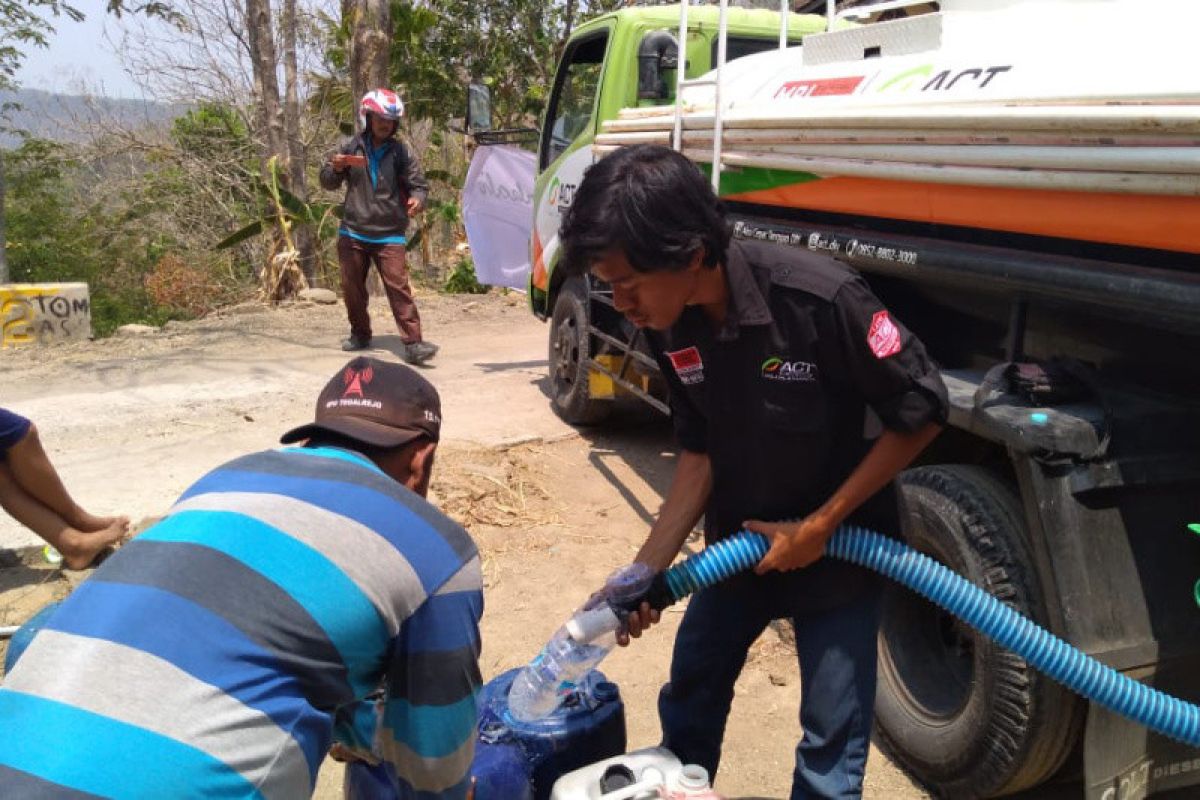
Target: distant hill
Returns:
[[73, 118]]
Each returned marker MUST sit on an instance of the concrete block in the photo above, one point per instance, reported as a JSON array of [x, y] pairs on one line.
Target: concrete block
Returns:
[[44, 313], [133, 329], [324, 296]]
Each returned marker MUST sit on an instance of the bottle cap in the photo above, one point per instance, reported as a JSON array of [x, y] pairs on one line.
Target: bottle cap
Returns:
[[593, 623], [606, 691], [693, 776]]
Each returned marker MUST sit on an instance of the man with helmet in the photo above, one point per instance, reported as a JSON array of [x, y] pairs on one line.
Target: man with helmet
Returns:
[[384, 186]]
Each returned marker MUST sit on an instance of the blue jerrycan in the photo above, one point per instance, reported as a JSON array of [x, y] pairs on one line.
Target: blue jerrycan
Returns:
[[522, 760]]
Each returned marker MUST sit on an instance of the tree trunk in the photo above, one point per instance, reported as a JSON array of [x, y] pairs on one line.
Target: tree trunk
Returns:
[[370, 44], [568, 22], [261, 37], [3, 241], [295, 143], [281, 276]]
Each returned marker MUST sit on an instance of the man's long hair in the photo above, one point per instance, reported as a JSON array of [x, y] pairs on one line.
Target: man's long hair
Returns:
[[649, 202]]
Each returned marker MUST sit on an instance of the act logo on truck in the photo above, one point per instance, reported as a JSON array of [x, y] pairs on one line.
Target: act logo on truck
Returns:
[[561, 194], [925, 79]]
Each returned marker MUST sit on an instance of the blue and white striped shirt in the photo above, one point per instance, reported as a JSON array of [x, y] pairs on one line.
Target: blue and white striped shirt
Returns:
[[216, 653]]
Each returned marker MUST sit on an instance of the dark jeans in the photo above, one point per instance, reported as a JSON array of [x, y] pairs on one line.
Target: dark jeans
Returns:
[[355, 259], [835, 607]]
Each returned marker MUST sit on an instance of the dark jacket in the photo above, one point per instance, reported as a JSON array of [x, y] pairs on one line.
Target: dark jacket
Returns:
[[790, 395], [377, 210]]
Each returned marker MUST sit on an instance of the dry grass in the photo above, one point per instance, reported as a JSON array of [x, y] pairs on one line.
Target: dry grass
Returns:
[[498, 487], [501, 496]]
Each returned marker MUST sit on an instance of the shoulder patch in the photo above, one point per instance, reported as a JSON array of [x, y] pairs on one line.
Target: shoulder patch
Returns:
[[883, 337]]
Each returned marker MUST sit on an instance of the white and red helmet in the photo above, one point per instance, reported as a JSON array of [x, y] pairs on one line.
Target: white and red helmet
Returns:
[[382, 103]]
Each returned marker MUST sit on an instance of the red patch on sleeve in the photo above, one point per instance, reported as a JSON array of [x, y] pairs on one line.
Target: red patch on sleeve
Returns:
[[883, 337]]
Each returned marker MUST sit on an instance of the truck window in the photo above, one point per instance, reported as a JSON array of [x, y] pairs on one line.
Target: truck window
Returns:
[[738, 46], [574, 96]]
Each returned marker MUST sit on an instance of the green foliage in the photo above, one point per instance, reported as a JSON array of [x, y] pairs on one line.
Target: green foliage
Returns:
[[462, 279], [283, 211], [439, 45], [447, 211], [38, 209], [241, 235], [150, 9], [512, 45], [213, 130], [57, 231]]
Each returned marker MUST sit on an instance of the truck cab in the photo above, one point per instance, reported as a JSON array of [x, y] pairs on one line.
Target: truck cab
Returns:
[[625, 59]]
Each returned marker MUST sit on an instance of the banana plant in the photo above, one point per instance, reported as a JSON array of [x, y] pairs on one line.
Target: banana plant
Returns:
[[281, 211]]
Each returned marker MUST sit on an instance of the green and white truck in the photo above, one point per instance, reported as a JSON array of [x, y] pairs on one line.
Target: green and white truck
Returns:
[[1019, 180]]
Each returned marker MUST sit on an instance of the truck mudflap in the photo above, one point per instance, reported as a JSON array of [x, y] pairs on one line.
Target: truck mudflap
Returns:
[[1124, 761]]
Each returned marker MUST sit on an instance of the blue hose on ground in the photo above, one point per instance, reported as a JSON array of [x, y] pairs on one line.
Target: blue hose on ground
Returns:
[[1080, 673]]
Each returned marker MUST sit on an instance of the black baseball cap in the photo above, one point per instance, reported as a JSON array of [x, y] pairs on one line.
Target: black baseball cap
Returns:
[[375, 402]]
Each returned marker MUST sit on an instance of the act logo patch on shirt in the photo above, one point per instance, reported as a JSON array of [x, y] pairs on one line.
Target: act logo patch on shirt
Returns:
[[688, 365], [883, 337], [776, 369]]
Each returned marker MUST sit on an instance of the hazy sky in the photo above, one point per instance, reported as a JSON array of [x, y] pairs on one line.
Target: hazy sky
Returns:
[[78, 57]]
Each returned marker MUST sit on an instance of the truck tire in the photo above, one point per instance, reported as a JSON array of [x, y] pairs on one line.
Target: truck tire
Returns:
[[570, 349], [963, 714]]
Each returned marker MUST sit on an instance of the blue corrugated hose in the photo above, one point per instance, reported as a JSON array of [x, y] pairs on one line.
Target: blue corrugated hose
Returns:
[[1080, 673]]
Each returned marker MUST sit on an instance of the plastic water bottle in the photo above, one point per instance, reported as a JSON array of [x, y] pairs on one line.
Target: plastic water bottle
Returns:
[[576, 647], [542, 685]]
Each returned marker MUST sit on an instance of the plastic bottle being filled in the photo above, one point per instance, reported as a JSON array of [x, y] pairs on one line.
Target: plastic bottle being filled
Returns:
[[576, 647]]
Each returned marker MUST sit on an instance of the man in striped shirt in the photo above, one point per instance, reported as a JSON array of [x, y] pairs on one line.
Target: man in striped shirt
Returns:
[[288, 599]]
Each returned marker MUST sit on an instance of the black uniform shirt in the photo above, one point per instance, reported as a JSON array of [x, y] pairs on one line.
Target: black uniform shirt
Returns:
[[788, 396]]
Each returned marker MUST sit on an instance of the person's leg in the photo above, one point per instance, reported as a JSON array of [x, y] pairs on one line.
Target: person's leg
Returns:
[[394, 271], [718, 628], [31, 469], [353, 259], [837, 651], [78, 548]]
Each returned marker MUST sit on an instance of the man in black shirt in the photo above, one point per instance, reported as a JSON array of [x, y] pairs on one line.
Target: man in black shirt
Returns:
[[796, 399]]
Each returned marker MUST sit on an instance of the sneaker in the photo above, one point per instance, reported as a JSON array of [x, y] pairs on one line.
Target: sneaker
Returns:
[[356, 343], [419, 352]]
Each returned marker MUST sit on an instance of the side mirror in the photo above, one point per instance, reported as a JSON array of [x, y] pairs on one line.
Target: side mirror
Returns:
[[479, 108]]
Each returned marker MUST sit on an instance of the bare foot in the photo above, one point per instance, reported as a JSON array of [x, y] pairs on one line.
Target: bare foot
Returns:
[[90, 523], [79, 549]]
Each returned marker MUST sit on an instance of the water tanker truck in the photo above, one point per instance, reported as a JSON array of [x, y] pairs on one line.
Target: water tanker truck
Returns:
[[1019, 180]]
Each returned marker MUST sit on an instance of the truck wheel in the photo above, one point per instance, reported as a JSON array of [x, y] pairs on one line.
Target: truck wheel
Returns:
[[570, 349], [961, 713]]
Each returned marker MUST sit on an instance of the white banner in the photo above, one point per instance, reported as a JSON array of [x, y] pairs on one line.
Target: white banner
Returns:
[[498, 214]]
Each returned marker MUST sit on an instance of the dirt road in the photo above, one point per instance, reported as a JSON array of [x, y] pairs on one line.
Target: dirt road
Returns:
[[131, 421]]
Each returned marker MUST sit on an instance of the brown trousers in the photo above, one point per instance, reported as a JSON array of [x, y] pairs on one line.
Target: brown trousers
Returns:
[[355, 259]]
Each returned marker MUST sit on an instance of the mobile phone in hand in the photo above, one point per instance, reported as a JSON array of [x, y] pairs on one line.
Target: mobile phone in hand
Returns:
[[355, 161]]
